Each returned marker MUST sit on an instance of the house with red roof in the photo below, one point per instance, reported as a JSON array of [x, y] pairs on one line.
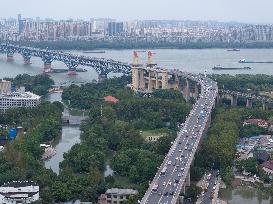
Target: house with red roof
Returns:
[[110, 99], [258, 122], [268, 167]]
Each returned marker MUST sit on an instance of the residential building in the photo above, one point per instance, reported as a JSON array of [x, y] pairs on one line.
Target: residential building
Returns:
[[18, 99], [5, 87], [116, 196], [19, 192], [258, 122], [268, 167]]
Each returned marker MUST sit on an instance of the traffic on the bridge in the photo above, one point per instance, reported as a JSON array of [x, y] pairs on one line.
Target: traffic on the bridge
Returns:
[[171, 176]]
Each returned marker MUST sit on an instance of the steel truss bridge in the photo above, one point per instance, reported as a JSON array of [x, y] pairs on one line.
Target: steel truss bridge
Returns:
[[102, 66]]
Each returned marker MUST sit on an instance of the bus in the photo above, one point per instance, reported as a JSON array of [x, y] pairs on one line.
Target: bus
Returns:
[[164, 170], [154, 188]]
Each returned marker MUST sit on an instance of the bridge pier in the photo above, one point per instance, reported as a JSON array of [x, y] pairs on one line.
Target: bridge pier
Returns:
[[234, 99], [72, 72], [10, 57], [72, 66], [102, 77], [249, 103], [47, 59], [186, 91], [47, 67], [26, 57]]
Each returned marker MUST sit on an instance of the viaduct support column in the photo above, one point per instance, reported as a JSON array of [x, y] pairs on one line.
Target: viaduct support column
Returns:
[[265, 106], [186, 90], [196, 91], [234, 99], [249, 103]]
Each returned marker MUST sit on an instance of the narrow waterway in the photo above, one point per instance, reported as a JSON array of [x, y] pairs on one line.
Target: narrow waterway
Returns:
[[70, 136], [244, 195]]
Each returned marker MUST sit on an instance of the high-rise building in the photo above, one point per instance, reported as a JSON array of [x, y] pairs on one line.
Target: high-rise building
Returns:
[[114, 28]]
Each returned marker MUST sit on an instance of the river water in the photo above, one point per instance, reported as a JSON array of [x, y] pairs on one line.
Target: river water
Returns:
[[196, 61], [244, 195], [191, 60]]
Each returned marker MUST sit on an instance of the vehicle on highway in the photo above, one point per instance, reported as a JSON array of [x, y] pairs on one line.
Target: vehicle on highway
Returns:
[[155, 188], [164, 170]]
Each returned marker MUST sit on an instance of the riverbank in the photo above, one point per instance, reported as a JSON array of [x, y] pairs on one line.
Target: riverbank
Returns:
[[120, 45]]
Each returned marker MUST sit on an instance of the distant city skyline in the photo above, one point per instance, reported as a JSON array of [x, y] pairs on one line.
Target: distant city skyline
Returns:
[[245, 11]]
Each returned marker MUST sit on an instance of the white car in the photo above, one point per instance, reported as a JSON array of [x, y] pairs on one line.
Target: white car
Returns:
[[169, 162]]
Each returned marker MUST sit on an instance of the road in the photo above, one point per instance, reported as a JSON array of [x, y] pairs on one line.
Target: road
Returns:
[[206, 198], [165, 188]]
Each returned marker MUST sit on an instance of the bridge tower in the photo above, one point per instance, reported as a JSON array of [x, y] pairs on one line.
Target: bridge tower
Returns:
[[137, 73]]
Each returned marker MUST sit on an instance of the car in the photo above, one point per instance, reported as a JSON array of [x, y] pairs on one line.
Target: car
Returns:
[[170, 183], [179, 175], [182, 169], [176, 180], [166, 194], [180, 150], [176, 158], [171, 193], [186, 148], [164, 183], [169, 162]]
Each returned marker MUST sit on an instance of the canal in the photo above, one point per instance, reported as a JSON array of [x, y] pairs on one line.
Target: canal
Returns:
[[69, 137]]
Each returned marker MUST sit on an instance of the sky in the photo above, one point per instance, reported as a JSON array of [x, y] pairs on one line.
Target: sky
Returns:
[[248, 11]]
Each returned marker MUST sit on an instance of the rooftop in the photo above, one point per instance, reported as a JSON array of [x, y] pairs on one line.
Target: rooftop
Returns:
[[268, 165], [111, 99], [121, 191], [17, 95]]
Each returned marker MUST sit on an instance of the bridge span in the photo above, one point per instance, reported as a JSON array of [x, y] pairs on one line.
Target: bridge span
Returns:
[[72, 61], [170, 179]]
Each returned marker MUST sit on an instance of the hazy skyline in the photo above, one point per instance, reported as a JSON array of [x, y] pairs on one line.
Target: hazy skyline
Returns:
[[249, 11]]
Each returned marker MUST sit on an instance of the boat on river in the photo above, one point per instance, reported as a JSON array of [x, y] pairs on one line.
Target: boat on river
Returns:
[[94, 52], [218, 67], [233, 50], [49, 152], [258, 62]]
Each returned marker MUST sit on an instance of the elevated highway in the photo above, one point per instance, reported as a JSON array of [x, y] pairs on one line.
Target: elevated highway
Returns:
[[173, 172]]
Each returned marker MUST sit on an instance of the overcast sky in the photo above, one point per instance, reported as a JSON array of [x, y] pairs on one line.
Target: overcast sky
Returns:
[[253, 11]]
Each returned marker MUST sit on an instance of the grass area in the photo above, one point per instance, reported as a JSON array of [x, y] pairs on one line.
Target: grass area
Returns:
[[124, 182], [156, 132]]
